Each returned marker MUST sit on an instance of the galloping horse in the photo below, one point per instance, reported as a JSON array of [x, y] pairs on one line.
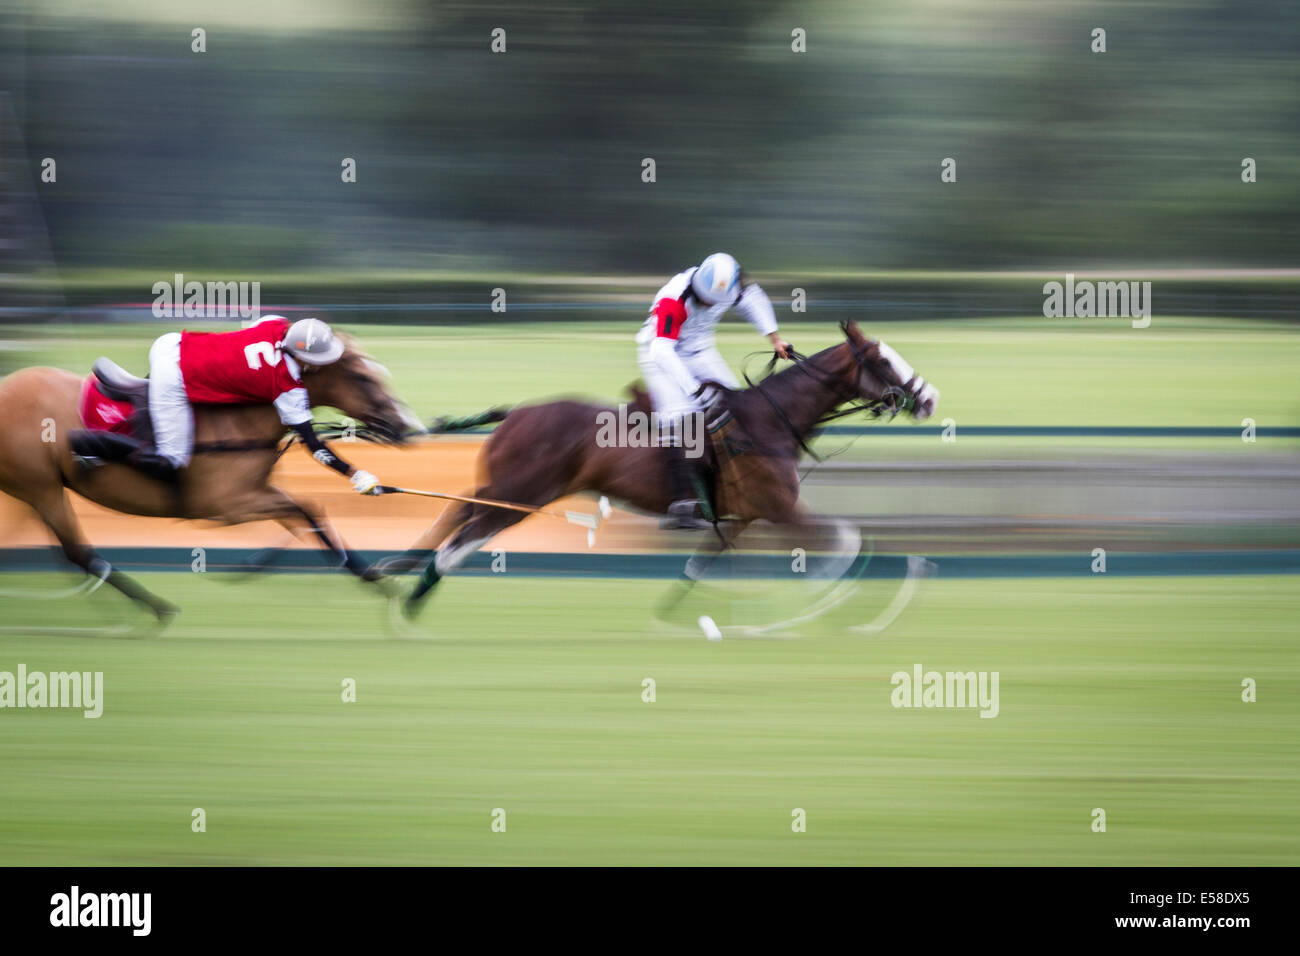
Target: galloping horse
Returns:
[[544, 452], [228, 479]]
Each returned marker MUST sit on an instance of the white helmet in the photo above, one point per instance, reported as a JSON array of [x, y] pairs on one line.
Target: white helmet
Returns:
[[312, 342], [717, 279]]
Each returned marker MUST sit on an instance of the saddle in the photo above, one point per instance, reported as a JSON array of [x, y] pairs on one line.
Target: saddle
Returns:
[[114, 410], [731, 446], [720, 470], [112, 399], [119, 384]]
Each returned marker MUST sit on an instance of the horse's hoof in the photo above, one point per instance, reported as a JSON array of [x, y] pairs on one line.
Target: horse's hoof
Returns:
[[386, 585], [411, 606], [165, 613]]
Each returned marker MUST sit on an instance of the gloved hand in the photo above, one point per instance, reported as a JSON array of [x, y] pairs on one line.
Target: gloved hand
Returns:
[[364, 483]]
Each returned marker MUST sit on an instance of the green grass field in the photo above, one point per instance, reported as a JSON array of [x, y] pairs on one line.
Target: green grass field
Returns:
[[1030, 371], [526, 695]]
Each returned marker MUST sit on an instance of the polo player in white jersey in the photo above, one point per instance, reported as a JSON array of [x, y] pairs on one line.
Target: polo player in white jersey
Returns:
[[678, 355]]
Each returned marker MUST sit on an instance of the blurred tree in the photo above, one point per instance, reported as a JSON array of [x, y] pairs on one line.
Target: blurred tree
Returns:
[[530, 159]]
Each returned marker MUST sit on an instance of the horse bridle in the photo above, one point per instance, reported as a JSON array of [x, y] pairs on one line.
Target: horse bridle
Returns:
[[893, 400]]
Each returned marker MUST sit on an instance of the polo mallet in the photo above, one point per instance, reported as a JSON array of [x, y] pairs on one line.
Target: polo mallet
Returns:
[[581, 518]]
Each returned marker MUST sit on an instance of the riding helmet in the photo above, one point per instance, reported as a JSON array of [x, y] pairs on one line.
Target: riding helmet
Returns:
[[717, 279], [312, 342]]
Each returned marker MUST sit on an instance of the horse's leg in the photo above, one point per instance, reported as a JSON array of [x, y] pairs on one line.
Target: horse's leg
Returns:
[[426, 549], [269, 503], [427, 544], [705, 556], [53, 509], [773, 496], [302, 517], [503, 475], [484, 524]]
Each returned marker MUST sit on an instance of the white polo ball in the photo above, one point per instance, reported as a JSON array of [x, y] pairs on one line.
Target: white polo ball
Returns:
[[710, 629]]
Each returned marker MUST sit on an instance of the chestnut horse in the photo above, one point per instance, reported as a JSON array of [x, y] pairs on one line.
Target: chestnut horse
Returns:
[[544, 452], [227, 480]]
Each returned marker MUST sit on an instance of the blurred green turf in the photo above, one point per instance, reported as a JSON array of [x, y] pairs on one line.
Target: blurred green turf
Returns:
[[525, 694], [1030, 371]]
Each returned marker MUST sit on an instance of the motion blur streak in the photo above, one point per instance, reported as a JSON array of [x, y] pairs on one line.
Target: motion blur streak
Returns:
[[1101, 511]]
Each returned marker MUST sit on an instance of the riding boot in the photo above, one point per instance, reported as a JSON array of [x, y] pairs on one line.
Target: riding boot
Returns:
[[683, 513], [92, 449], [153, 464]]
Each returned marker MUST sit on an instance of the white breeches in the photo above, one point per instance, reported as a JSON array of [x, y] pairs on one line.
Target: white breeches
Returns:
[[169, 406], [666, 395]]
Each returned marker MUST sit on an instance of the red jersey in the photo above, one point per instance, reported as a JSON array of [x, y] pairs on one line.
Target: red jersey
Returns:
[[237, 368]]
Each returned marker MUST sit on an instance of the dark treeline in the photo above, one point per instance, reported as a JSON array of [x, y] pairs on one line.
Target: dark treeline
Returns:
[[532, 159]]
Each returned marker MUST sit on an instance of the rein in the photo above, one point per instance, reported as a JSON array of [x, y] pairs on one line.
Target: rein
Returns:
[[888, 402], [208, 447], [336, 430], [780, 412], [326, 430]]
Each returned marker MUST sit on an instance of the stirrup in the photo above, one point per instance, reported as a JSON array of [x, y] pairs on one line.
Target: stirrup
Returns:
[[684, 515]]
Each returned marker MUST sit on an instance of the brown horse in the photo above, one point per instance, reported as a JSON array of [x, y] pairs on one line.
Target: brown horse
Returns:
[[227, 480], [544, 452]]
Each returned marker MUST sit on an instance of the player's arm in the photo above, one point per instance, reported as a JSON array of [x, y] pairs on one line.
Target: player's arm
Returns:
[[756, 309], [669, 315], [295, 412]]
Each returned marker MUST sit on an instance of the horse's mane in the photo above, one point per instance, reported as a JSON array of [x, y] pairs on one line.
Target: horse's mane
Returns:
[[352, 347], [792, 373]]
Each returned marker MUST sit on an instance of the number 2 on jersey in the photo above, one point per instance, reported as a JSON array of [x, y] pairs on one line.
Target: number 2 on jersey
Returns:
[[255, 353]]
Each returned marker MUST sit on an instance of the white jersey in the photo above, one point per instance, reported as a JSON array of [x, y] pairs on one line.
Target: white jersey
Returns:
[[676, 314]]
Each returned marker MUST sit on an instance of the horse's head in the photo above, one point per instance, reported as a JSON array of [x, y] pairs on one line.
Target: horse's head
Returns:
[[358, 386], [880, 375]]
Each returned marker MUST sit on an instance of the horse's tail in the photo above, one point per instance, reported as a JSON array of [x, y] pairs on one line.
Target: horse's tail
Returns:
[[445, 423]]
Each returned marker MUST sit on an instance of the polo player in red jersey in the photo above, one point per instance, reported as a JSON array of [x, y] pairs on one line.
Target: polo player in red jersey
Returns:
[[260, 365]]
